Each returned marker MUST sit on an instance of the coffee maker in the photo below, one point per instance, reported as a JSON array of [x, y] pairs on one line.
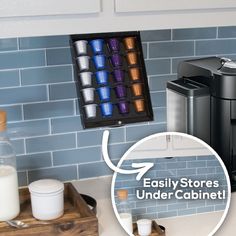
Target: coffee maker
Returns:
[[202, 102]]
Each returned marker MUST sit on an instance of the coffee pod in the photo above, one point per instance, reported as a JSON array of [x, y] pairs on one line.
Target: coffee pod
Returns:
[[86, 79], [106, 109], [123, 107], [114, 45], [119, 75], [134, 73], [81, 47], [104, 93], [97, 45], [83, 62], [137, 89], [129, 43], [90, 110], [102, 77], [139, 105], [121, 91], [88, 95], [99, 61], [116, 60], [132, 58]]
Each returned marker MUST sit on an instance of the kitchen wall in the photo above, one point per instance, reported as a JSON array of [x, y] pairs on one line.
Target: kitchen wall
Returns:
[[38, 92], [192, 167]]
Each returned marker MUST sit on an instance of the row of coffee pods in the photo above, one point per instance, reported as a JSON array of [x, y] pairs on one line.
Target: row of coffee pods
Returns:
[[104, 92], [107, 108], [81, 46], [102, 76], [99, 61]]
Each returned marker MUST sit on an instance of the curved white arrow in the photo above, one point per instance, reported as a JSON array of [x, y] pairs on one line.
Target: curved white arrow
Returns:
[[142, 167]]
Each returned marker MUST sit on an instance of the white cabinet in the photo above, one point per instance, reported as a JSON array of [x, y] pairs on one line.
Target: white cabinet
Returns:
[[20, 8], [22, 18], [184, 143], [165, 5], [168, 146]]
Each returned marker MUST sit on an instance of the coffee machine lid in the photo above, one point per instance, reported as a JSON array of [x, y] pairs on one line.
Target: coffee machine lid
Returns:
[[228, 68]]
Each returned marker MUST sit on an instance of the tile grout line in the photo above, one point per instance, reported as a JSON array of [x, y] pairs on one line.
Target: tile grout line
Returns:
[[77, 171], [33, 49], [25, 149], [18, 44], [27, 176], [45, 57]]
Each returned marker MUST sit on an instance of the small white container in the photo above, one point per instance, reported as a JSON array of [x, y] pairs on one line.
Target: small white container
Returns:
[[83, 62], [47, 199], [88, 94], [86, 79], [81, 47], [90, 110], [144, 227]]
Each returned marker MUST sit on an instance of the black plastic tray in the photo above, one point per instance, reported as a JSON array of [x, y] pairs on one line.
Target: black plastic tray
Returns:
[[117, 119]]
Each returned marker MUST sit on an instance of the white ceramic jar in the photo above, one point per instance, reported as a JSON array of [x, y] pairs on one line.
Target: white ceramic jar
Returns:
[[47, 199]]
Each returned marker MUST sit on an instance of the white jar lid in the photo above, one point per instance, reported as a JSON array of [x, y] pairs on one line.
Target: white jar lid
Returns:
[[46, 186]]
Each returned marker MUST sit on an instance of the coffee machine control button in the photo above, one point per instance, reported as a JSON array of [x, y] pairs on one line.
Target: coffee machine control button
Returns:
[[230, 64], [224, 59]]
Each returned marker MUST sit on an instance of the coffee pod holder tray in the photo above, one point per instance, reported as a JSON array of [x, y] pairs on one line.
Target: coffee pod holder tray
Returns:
[[114, 111]]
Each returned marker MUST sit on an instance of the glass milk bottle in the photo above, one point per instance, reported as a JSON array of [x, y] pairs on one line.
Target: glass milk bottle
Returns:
[[125, 211], [9, 195]]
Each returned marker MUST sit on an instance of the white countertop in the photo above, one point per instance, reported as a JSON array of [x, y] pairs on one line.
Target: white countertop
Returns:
[[99, 188]]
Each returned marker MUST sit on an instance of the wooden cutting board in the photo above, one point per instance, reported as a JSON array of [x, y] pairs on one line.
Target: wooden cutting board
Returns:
[[78, 218]]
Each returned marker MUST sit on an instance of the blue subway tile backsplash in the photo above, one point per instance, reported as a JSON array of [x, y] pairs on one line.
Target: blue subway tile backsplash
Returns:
[[212, 47], [176, 168], [58, 56], [43, 42], [48, 109], [171, 49], [156, 35], [9, 78], [227, 32], [37, 91], [45, 75], [8, 44], [197, 33], [22, 59], [19, 95]]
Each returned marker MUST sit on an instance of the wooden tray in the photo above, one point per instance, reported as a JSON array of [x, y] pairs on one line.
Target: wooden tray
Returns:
[[78, 219], [157, 230]]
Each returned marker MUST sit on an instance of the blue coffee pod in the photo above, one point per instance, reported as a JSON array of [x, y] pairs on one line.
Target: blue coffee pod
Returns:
[[102, 77], [106, 109], [97, 45], [104, 93], [99, 62]]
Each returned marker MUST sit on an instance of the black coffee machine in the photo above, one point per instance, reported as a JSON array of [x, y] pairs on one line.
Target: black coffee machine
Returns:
[[202, 102]]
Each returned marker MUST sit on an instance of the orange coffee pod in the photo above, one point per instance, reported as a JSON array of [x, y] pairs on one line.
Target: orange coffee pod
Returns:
[[134, 73], [139, 105], [137, 89], [132, 58], [129, 43]]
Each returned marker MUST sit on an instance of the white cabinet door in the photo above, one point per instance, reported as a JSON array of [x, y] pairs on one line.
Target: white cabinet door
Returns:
[[153, 148], [183, 146], [165, 5], [159, 143], [19, 8], [169, 146]]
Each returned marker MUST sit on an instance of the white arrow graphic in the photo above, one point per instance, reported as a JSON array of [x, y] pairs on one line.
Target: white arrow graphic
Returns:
[[141, 168]]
